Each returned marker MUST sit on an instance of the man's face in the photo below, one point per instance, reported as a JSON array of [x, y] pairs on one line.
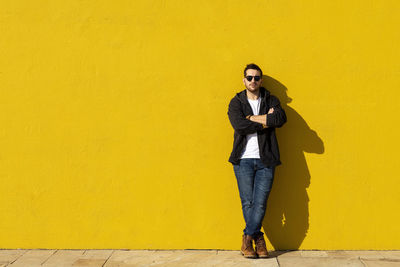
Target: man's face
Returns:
[[252, 85]]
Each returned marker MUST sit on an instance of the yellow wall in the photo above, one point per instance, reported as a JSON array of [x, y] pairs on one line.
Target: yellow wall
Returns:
[[114, 129]]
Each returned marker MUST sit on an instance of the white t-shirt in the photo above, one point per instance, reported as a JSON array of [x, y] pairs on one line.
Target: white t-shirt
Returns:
[[252, 150]]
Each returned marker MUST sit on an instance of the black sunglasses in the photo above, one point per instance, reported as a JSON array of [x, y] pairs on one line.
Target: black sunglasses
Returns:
[[250, 78]]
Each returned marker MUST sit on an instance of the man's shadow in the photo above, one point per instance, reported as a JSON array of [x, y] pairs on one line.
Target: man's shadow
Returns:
[[286, 220]]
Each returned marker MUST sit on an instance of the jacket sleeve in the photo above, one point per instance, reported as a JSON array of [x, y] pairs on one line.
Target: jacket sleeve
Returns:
[[278, 117], [238, 120]]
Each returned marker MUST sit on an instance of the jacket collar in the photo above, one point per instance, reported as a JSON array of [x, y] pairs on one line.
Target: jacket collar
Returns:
[[264, 93]]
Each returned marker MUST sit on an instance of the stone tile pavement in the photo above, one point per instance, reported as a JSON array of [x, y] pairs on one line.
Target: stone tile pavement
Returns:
[[125, 258]]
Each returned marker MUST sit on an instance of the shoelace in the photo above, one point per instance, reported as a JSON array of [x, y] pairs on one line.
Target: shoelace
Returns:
[[248, 245], [260, 241]]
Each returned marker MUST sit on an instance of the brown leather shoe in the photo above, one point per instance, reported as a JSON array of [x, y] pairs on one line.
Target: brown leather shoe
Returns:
[[247, 247], [261, 248]]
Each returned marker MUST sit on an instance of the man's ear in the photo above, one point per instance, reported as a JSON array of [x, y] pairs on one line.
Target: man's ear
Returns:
[[244, 82]]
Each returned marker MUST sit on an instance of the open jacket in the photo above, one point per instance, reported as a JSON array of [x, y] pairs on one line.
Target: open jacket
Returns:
[[239, 108]]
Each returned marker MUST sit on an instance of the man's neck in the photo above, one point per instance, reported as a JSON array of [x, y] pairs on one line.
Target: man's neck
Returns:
[[253, 95]]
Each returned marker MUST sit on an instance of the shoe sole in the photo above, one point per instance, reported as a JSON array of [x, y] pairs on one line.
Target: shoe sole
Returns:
[[248, 256], [262, 256]]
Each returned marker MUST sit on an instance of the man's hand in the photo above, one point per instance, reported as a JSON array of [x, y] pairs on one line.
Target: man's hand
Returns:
[[271, 110]]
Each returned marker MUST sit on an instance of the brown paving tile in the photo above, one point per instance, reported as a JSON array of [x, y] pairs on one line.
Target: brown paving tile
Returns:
[[33, 258], [355, 254], [339, 254], [233, 258], [277, 253], [313, 253], [9, 255], [390, 254], [88, 263], [187, 258], [222, 258], [93, 258], [294, 253], [97, 253], [165, 257], [364, 254], [318, 262], [63, 258], [381, 263], [129, 258]]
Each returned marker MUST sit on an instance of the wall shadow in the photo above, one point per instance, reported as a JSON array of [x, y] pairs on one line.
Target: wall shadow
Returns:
[[286, 220]]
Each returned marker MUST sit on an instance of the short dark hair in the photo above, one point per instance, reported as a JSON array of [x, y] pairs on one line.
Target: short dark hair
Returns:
[[252, 66]]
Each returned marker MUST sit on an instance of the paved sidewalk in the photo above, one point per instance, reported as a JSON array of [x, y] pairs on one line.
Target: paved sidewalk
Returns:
[[176, 258]]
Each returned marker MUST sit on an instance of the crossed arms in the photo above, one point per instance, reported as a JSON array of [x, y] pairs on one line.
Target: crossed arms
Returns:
[[243, 125], [260, 118]]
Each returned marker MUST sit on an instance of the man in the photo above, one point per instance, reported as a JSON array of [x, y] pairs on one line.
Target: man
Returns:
[[254, 114]]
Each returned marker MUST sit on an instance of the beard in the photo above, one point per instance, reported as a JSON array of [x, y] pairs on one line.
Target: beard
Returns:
[[253, 88]]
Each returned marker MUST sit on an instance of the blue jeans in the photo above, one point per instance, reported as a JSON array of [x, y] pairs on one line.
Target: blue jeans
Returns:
[[254, 181]]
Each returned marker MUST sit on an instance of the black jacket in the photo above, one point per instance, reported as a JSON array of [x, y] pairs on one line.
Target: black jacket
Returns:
[[239, 108]]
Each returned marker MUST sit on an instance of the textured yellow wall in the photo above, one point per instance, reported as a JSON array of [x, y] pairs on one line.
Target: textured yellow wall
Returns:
[[114, 132]]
